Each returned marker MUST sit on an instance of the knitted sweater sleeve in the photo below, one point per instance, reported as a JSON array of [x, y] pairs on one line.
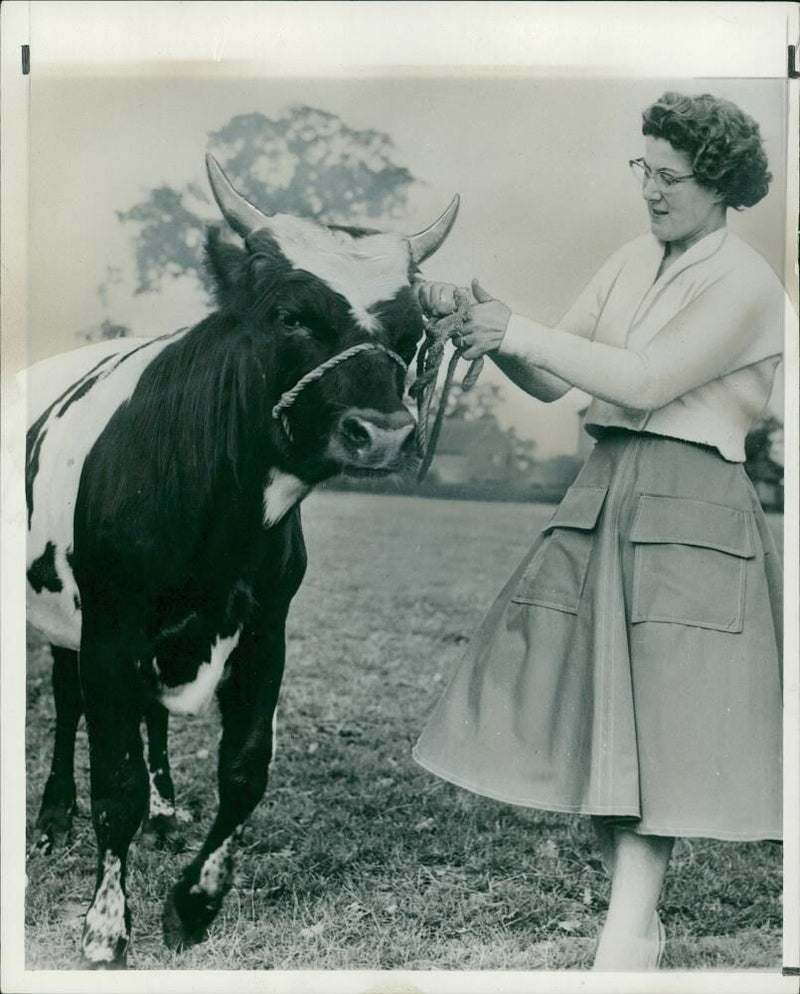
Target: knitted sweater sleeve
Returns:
[[729, 325]]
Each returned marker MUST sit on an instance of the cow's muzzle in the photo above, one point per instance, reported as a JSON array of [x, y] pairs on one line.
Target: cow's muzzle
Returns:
[[288, 398], [365, 439]]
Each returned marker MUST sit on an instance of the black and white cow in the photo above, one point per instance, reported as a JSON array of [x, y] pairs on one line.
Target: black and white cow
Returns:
[[163, 483]]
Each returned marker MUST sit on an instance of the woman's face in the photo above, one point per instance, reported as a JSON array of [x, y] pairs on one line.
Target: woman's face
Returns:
[[688, 211]]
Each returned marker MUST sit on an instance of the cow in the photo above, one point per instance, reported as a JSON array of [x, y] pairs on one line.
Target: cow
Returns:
[[163, 486]]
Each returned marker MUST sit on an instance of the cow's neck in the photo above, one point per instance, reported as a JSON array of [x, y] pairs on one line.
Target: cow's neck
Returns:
[[218, 406], [202, 409]]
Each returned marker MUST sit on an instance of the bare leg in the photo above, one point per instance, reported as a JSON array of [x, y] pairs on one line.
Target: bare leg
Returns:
[[606, 842], [629, 940]]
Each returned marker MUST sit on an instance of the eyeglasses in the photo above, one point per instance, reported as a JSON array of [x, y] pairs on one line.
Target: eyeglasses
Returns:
[[664, 181]]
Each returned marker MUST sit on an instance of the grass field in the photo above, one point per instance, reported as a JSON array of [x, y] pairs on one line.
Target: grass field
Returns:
[[357, 858]]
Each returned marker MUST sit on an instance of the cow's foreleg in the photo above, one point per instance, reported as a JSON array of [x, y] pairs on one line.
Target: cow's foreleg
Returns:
[[247, 702], [161, 819], [58, 801], [119, 798]]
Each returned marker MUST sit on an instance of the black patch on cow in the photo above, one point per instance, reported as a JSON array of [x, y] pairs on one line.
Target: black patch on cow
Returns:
[[146, 345], [42, 573], [35, 438], [36, 433], [82, 390]]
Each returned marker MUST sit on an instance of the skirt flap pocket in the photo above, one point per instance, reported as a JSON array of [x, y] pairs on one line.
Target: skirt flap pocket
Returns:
[[690, 559], [684, 521], [580, 508], [556, 575]]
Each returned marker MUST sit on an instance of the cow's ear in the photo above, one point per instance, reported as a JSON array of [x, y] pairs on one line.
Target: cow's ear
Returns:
[[227, 265]]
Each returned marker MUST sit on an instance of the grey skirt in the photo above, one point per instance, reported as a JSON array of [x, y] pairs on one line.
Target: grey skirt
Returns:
[[631, 666]]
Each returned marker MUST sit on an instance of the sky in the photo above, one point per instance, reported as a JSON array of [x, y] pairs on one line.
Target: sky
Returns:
[[540, 165]]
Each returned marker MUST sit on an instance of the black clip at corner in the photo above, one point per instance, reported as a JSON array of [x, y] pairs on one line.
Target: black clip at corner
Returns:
[[791, 68], [26, 59], [791, 971]]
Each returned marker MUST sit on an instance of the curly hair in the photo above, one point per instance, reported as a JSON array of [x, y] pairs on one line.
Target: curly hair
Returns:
[[723, 143]]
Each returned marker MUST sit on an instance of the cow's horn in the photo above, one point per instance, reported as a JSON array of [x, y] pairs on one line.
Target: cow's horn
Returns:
[[426, 242], [240, 214]]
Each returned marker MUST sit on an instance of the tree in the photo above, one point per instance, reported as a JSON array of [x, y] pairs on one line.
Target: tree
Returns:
[[307, 162], [524, 450], [760, 447], [106, 331], [762, 439]]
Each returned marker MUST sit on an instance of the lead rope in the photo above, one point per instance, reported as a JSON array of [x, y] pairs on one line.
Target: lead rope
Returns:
[[429, 361]]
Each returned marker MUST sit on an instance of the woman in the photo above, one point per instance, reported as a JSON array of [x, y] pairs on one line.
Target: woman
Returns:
[[630, 669]]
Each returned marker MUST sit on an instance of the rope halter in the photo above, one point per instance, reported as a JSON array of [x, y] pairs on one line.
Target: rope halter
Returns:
[[290, 396]]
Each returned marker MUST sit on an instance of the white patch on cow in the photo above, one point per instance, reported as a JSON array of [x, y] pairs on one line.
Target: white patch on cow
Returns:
[[56, 614], [194, 697], [67, 440], [214, 872], [158, 805], [281, 493], [363, 270], [105, 919], [274, 732]]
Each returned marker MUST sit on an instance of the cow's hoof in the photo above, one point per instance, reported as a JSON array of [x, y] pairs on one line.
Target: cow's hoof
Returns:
[[53, 826], [115, 964], [104, 943], [102, 953], [185, 919], [59, 806], [160, 828]]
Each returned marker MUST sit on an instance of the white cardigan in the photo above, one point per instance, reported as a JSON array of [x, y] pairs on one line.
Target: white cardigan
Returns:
[[691, 355]]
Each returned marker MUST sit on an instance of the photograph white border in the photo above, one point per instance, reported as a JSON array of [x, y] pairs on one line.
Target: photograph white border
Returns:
[[218, 40]]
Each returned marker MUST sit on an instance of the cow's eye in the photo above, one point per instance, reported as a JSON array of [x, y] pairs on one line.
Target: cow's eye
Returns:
[[290, 321]]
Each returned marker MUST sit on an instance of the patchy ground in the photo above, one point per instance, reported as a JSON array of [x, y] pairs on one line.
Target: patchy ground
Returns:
[[357, 858]]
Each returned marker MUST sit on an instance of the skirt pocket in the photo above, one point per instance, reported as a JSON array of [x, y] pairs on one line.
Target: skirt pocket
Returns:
[[690, 562], [557, 572]]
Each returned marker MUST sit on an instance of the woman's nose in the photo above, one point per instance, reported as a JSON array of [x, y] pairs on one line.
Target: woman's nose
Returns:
[[649, 189]]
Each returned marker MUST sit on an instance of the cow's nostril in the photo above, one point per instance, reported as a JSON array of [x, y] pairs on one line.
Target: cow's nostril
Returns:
[[356, 432]]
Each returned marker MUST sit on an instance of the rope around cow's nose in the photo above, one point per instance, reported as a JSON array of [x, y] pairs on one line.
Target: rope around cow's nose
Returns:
[[288, 398], [429, 360]]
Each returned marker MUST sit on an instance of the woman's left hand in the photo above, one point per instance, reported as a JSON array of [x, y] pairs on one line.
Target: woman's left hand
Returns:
[[438, 300], [485, 326]]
